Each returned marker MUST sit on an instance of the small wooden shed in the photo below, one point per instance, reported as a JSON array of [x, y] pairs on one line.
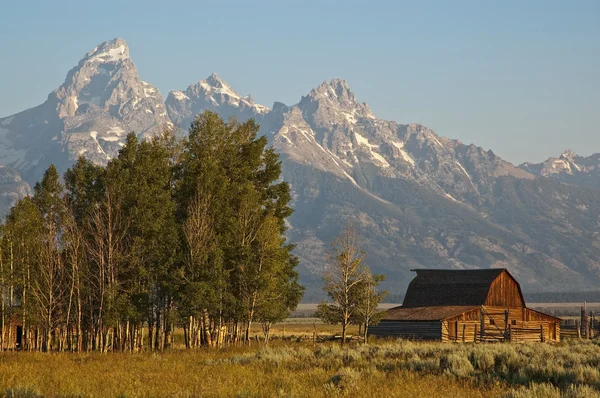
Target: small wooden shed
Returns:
[[466, 306], [12, 338]]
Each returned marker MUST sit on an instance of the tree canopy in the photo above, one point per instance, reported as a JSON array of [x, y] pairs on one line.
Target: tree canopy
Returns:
[[187, 233]]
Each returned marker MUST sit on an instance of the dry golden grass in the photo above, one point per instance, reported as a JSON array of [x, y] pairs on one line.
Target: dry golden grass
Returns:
[[231, 372], [296, 327], [295, 368]]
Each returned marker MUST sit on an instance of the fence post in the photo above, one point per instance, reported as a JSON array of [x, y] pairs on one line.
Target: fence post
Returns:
[[586, 325], [463, 333], [577, 326], [455, 331], [482, 326], [583, 316], [506, 325]]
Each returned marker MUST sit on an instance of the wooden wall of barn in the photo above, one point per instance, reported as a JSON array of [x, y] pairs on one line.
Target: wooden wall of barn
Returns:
[[414, 330], [460, 331], [523, 324], [504, 292]]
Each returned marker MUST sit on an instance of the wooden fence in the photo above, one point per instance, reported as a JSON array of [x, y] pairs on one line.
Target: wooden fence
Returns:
[[527, 334], [587, 327]]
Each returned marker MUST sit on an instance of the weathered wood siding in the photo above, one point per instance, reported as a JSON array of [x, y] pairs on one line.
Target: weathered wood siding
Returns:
[[523, 325], [505, 292], [524, 321], [460, 331], [414, 330], [444, 296], [11, 339]]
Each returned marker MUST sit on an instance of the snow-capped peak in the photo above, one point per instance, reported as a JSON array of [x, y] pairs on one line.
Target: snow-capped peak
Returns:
[[215, 80], [336, 90], [568, 155], [212, 93], [213, 85], [109, 51], [336, 97]]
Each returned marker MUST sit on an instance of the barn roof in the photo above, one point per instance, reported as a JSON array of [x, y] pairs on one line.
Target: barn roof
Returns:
[[426, 313], [435, 287]]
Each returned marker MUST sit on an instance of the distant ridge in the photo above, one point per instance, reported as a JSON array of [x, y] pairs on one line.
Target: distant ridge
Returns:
[[419, 200]]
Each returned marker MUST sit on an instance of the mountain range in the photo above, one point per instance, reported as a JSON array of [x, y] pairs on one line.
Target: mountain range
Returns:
[[417, 199]]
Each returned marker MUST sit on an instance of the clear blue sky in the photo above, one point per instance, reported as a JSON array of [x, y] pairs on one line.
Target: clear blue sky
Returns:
[[519, 77]]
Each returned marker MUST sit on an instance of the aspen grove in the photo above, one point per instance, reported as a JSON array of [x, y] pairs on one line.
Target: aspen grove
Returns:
[[185, 233]]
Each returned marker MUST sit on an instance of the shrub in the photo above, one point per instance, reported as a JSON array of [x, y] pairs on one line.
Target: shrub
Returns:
[[482, 359], [346, 380], [585, 374], [456, 364], [534, 391], [546, 390]]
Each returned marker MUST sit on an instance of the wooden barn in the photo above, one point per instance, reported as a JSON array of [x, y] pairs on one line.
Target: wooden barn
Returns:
[[466, 306], [12, 337]]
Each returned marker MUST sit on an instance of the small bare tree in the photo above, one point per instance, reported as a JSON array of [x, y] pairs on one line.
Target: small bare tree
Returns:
[[344, 273], [367, 300]]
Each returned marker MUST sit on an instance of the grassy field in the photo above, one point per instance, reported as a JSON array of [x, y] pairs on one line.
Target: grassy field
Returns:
[[293, 367], [281, 371], [557, 309]]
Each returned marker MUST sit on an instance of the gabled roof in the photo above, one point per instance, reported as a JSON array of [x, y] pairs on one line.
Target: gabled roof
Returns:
[[436, 287], [426, 313]]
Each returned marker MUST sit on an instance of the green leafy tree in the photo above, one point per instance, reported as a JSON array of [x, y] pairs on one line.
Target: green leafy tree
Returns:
[[48, 281], [141, 178], [20, 246], [191, 231], [231, 169]]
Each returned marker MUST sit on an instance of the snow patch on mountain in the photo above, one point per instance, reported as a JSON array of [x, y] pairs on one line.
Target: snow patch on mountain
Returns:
[[403, 153], [464, 171], [179, 95], [434, 139], [371, 148], [213, 94], [111, 55]]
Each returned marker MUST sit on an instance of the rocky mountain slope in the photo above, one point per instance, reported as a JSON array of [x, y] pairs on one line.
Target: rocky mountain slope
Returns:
[[12, 188], [421, 200], [569, 168], [212, 94], [101, 100], [418, 199]]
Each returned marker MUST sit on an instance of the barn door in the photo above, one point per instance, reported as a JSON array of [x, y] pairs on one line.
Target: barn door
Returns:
[[453, 330], [19, 344]]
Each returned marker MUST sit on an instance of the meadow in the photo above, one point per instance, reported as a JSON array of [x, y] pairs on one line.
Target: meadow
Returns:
[[294, 366]]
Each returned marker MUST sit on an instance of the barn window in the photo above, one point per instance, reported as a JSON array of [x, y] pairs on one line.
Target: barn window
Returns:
[[492, 322], [514, 322]]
